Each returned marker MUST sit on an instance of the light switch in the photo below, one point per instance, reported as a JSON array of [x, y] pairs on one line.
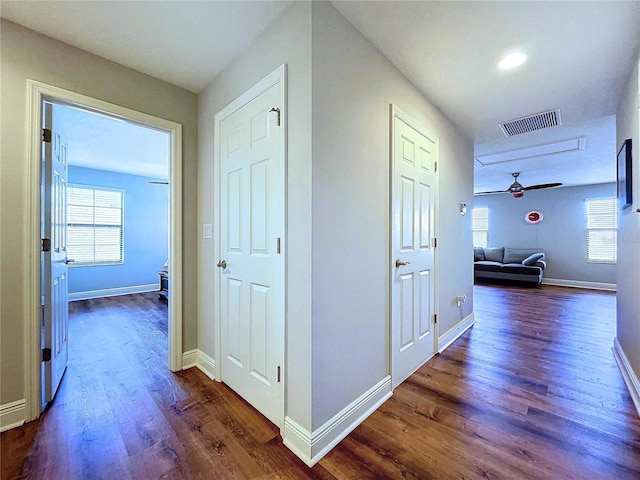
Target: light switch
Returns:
[[207, 230]]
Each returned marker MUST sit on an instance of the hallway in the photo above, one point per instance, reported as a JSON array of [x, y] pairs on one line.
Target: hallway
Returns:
[[531, 391]]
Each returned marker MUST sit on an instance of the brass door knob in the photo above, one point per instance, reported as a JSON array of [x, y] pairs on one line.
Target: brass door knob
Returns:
[[222, 264], [400, 264]]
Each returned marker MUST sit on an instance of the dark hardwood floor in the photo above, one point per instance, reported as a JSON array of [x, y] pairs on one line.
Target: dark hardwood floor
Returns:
[[531, 391]]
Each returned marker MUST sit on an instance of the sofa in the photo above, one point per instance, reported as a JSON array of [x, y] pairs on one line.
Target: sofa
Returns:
[[524, 265]]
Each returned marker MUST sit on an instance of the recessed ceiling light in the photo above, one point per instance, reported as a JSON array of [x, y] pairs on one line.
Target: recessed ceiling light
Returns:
[[512, 61]]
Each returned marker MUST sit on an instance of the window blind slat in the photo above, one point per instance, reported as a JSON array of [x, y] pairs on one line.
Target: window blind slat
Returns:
[[95, 225], [480, 226], [602, 224]]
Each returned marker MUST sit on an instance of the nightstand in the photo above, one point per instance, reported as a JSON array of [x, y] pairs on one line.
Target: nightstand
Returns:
[[164, 284]]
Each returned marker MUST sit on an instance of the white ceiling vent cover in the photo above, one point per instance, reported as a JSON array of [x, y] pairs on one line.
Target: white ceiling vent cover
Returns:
[[531, 123]]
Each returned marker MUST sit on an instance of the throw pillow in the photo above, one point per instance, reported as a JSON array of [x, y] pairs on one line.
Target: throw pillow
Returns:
[[516, 255], [478, 254], [494, 254], [531, 259]]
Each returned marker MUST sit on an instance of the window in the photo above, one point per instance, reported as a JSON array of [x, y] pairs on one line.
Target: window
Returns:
[[480, 226], [602, 228], [95, 233]]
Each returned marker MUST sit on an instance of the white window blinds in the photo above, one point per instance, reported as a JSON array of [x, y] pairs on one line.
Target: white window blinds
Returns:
[[480, 226], [95, 219], [602, 228]]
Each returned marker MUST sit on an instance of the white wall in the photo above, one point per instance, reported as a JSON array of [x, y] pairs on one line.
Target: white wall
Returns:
[[353, 85], [561, 234], [338, 193], [288, 41], [28, 55], [628, 322]]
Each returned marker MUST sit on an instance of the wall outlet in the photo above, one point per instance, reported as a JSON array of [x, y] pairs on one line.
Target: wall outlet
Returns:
[[207, 230], [460, 299]]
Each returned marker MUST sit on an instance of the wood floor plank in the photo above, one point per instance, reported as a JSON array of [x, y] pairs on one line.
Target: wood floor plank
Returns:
[[531, 391]]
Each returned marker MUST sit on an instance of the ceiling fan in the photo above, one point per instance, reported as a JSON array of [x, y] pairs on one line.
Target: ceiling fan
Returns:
[[518, 190]]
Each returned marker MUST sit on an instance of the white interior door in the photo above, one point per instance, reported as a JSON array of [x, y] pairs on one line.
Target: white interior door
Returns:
[[413, 198], [251, 242], [55, 288]]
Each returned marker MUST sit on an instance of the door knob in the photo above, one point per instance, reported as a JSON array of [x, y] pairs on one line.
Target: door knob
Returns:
[[222, 264], [400, 264]]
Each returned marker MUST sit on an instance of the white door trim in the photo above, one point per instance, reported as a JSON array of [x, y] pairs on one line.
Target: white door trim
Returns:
[[36, 93], [394, 112], [279, 75]]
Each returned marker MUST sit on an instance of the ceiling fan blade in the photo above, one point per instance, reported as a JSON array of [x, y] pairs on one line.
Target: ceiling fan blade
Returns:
[[157, 182], [491, 192], [542, 185]]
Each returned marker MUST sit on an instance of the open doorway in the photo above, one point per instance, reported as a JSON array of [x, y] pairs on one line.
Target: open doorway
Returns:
[[113, 177], [42, 143]]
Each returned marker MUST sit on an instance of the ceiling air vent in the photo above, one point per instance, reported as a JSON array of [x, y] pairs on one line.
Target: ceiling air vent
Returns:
[[531, 123]]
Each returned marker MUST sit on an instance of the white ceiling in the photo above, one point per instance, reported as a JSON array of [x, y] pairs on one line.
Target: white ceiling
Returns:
[[186, 43], [595, 164], [579, 56], [105, 143]]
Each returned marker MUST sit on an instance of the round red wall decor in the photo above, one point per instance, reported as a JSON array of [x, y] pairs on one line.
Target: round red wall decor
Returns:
[[534, 217]]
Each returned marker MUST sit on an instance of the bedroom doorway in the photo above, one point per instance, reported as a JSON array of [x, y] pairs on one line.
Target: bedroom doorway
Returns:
[[112, 177], [46, 336]]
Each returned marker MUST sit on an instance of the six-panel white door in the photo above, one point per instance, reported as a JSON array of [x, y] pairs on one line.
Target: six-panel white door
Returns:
[[413, 197], [55, 288], [251, 236]]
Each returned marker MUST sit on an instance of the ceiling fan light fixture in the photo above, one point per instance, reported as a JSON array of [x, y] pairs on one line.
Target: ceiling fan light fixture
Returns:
[[517, 190], [512, 60]]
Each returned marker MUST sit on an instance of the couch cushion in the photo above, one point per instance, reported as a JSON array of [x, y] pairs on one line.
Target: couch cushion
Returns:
[[494, 254], [517, 255], [520, 269], [488, 266], [531, 259], [478, 254], [506, 268]]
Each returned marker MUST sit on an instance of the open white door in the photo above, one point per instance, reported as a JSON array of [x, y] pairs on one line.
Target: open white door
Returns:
[[414, 155], [55, 284], [251, 153]]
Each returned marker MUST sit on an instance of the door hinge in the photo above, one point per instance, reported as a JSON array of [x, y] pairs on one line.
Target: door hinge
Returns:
[[435, 318], [46, 135], [46, 354], [278, 245], [46, 245], [277, 110], [278, 373], [435, 242], [435, 167]]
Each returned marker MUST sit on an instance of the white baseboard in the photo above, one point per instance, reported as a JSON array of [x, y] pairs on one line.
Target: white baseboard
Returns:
[[197, 358], [113, 292], [559, 282], [12, 415], [206, 364], [189, 359], [630, 377], [297, 439], [454, 332], [311, 447]]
